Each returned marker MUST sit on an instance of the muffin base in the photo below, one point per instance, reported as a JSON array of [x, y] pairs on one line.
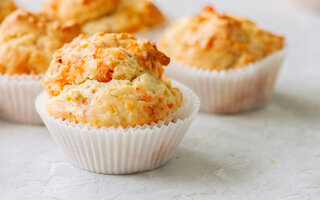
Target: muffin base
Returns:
[[17, 96], [231, 91], [118, 150]]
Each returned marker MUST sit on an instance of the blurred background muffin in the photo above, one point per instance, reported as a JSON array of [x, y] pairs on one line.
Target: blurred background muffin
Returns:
[[214, 41], [229, 61], [110, 80], [28, 40], [107, 16], [27, 43], [6, 7]]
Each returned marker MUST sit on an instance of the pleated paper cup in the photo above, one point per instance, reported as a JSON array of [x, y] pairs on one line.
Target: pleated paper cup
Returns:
[[118, 150], [233, 90], [17, 96]]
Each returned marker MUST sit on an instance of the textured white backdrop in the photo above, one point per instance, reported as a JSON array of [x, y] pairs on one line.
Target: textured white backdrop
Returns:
[[269, 154]]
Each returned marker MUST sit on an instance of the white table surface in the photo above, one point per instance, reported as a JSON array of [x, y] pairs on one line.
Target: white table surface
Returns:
[[272, 153]]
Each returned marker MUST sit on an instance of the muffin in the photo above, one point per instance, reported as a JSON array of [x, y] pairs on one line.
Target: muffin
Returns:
[[112, 83], [27, 43], [80, 10], [6, 7], [110, 80], [108, 16], [229, 61]]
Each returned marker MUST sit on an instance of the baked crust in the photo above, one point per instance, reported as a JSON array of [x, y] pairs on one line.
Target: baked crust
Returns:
[[131, 16], [80, 10], [107, 16], [28, 41], [6, 7], [110, 80], [214, 41]]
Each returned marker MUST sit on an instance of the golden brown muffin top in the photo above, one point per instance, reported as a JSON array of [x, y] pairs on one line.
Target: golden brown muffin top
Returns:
[[215, 41], [99, 57], [110, 80], [131, 16], [79, 10], [28, 40], [6, 7], [115, 16]]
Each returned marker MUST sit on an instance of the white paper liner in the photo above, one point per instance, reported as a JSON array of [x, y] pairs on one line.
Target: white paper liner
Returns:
[[234, 90], [17, 96], [117, 150]]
